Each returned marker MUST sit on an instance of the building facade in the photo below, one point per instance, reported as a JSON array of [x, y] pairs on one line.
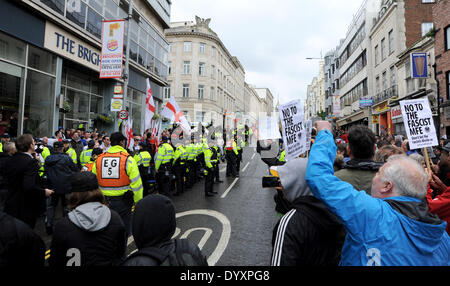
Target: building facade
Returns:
[[207, 82], [49, 64], [331, 78], [441, 20]]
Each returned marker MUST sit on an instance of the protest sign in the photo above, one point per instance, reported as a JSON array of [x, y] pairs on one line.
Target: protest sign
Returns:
[[268, 128], [419, 125], [291, 117]]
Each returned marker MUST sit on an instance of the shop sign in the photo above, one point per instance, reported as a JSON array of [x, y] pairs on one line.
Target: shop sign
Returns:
[[64, 44], [382, 107], [116, 104], [375, 119], [365, 102], [396, 112], [113, 33]]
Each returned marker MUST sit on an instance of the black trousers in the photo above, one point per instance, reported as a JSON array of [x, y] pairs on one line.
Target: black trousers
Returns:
[[209, 181], [179, 174], [216, 171], [122, 205], [163, 180], [52, 203], [238, 160]]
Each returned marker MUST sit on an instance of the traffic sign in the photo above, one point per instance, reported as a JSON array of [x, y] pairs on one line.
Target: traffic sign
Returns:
[[123, 114]]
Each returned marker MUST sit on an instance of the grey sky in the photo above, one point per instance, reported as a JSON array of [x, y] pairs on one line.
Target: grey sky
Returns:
[[272, 38]]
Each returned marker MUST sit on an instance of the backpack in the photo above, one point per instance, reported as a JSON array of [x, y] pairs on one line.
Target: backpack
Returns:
[[160, 257]]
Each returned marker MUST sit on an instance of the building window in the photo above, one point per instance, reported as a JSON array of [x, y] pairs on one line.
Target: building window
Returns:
[[201, 69], [201, 90], [447, 38], [187, 46], [170, 47], [167, 92], [213, 71], [187, 67], [383, 49], [185, 90], [384, 78], [376, 55], [448, 85], [213, 51], [391, 42], [377, 87], [202, 48], [393, 76], [426, 27], [169, 67], [212, 95], [428, 1]]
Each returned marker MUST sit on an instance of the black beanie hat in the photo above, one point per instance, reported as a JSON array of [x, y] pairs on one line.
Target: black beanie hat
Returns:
[[83, 182]]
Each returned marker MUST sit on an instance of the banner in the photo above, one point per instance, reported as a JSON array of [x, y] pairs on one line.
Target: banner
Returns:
[[129, 134], [173, 112], [336, 105], [149, 107], [112, 49], [419, 125], [268, 128], [419, 65], [291, 117]]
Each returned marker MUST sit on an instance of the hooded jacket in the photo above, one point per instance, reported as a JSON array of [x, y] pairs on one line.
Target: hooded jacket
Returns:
[[59, 168], [397, 231], [309, 234], [96, 231], [359, 173], [153, 226]]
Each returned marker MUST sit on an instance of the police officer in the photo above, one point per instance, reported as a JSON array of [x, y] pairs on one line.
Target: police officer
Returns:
[[240, 147], [90, 165], [232, 156], [85, 155], [179, 167], [5, 139], [119, 179], [143, 159], [163, 166], [210, 156], [189, 163], [70, 151], [215, 162]]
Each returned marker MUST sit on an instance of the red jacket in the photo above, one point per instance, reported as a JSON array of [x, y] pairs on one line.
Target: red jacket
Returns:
[[440, 205], [345, 137]]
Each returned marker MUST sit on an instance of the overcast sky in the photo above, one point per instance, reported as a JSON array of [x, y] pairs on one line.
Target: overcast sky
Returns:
[[272, 38]]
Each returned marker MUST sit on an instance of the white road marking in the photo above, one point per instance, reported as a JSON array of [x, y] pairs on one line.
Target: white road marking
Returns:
[[205, 237], [243, 170], [229, 188], [253, 156]]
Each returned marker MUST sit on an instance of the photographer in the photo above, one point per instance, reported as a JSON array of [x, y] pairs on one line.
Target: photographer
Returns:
[[308, 234]]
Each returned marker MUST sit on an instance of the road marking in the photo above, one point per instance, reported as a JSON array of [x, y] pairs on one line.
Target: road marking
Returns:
[[224, 237], [205, 237], [253, 156], [130, 240], [243, 170], [229, 188]]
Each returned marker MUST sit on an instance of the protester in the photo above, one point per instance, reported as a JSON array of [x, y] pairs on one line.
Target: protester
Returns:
[[25, 199], [360, 169], [390, 228], [9, 149], [387, 151], [439, 204], [154, 224], [20, 247], [91, 228], [60, 168], [309, 234]]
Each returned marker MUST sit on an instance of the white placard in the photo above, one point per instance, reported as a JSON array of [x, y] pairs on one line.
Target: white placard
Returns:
[[419, 125], [294, 133], [112, 49], [268, 128]]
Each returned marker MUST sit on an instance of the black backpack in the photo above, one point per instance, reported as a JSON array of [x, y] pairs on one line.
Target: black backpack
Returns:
[[160, 257]]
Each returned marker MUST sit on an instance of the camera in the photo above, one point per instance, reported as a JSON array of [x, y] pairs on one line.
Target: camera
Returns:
[[270, 182]]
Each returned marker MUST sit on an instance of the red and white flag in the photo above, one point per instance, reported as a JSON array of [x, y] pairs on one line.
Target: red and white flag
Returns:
[[150, 107], [173, 112], [129, 134]]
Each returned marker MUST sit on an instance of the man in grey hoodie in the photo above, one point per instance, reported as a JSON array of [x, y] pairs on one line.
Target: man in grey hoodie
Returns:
[[91, 234], [308, 234]]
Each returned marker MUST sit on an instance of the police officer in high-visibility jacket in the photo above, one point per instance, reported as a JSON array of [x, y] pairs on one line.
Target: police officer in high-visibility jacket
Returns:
[[119, 179], [90, 165], [163, 166], [210, 157], [85, 155], [190, 179], [215, 162], [70, 151], [179, 167], [143, 160]]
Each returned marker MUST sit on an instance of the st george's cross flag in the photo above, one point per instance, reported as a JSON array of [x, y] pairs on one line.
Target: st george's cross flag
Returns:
[[150, 107], [173, 112]]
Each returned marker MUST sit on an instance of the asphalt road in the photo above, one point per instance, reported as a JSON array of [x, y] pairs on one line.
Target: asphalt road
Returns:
[[233, 228]]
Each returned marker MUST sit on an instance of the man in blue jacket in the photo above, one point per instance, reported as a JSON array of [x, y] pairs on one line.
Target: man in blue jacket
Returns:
[[392, 227]]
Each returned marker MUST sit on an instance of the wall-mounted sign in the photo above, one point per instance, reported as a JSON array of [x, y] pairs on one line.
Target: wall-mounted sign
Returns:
[[419, 65], [396, 112], [123, 114], [116, 104], [65, 44], [365, 102], [113, 33]]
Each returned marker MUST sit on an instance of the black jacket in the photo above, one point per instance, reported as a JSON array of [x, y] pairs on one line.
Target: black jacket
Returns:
[[19, 245], [59, 168], [25, 198], [3, 179], [104, 247], [310, 235], [153, 226]]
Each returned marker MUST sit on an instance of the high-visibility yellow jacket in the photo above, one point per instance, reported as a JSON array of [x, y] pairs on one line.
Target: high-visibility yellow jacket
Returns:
[[85, 156], [208, 155], [143, 158], [107, 171], [164, 156], [72, 154], [180, 154]]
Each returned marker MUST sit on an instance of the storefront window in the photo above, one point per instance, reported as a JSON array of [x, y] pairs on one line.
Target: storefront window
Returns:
[[10, 83], [38, 113], [94, 23], [12, 49], [41, 60]]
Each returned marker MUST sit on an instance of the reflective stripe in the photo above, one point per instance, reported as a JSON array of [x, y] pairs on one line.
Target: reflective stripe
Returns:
[[124, 188], [137, 189], [135, 179]]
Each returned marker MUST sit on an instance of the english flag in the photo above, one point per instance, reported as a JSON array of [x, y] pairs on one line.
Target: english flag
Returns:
[[173, 112], [129, 134], [149, 107]]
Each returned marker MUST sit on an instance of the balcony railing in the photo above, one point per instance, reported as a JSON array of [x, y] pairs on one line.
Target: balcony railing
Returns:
[[385, 95]]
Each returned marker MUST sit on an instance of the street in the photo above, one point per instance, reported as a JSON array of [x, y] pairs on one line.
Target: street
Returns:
[[233, 228]]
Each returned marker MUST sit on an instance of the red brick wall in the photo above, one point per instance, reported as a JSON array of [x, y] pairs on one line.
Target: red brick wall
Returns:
[[416, 13], [441, 19]]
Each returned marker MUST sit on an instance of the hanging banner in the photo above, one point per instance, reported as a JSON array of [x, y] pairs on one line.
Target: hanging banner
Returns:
[[419, 124], [113, 33], [419, 65], [268, 128], [291, 117], [336, 105]]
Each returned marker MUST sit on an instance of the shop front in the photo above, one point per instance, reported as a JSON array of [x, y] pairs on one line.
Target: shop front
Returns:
[[384, 122], [359, 118]]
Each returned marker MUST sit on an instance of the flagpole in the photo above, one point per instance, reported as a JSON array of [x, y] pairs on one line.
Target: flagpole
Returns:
[[127, 59]]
